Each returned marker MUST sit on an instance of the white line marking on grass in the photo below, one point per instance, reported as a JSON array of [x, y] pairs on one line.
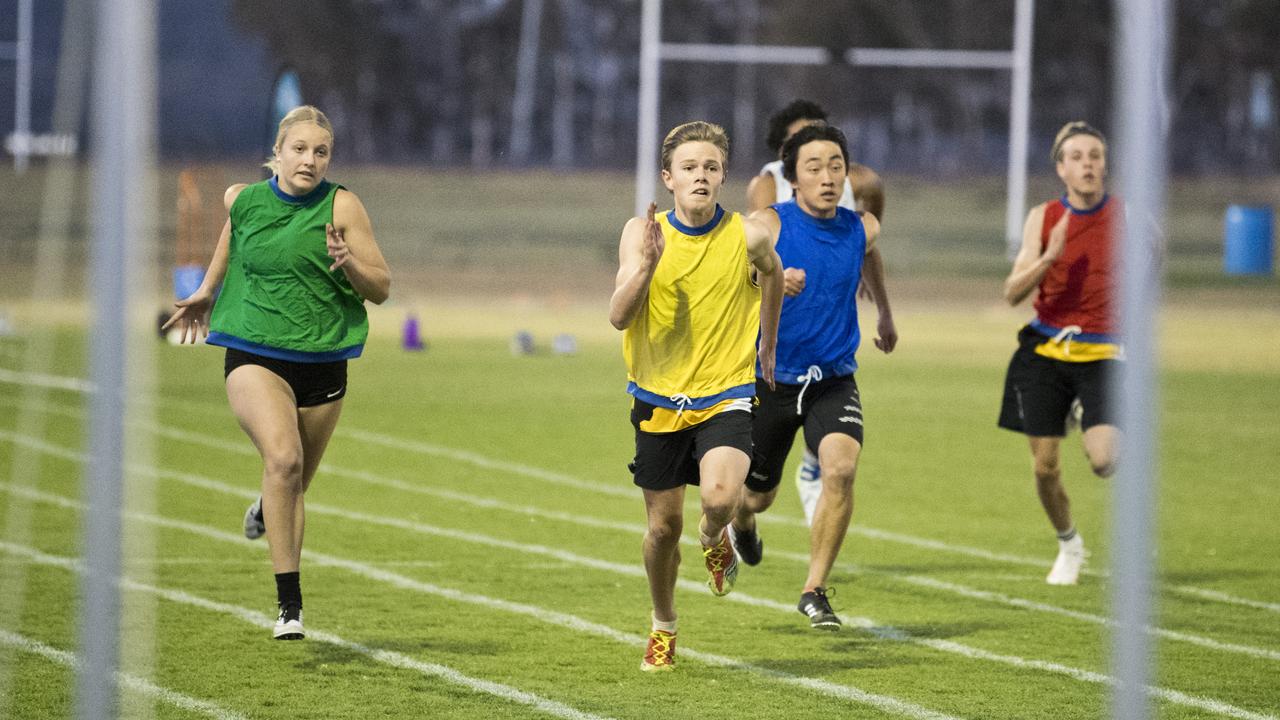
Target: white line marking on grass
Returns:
[[565, 556], [881, 631], [634, 571], [131, 682], [973, 593], [56, 382], [387, 657], [883, 702], [1225, 598], [885, 535], [1086, 617], [424, 448], [570, 481], [638, 528]]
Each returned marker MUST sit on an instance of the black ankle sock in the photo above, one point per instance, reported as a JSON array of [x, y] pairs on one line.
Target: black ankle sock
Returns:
[[288, 589]]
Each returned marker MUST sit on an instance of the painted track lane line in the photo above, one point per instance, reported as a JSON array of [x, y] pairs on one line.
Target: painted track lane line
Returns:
[[843, 692], [466, 456], [565, 556], [125, 680], [262, 620], [881, 631], [415, 446], [919, 581]]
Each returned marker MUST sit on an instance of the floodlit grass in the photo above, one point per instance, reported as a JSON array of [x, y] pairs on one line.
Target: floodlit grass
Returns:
[[475, 514], [474, 537]]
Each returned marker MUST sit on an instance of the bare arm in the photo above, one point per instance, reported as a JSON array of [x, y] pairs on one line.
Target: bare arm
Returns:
[[193, 312], [1030, 266], [639, 251], [873, 278], [761, 192], [351, 245], [868, 189], [760, 239]]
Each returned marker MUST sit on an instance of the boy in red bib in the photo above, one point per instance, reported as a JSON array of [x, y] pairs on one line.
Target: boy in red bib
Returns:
[[1067, 352]]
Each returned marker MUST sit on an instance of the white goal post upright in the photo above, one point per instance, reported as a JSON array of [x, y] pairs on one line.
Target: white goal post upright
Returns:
[[653, 51], [19, 52]]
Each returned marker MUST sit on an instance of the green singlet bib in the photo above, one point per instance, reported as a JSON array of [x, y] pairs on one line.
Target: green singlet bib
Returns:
[[279, 298]]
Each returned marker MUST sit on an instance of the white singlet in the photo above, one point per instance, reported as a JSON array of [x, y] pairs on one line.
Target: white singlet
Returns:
[[783, 190]]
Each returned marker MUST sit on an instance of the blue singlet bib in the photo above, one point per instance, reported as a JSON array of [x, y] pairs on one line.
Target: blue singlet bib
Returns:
[[819, 327]]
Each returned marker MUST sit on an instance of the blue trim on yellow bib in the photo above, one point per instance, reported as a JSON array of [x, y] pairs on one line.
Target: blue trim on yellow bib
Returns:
[[695, 231], [702, 403]]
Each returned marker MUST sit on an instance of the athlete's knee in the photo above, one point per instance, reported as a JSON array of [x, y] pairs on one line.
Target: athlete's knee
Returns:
[[1048, 474], [664, 533], [758, 502], [720, 510], [838, 474], [1045, 462], [283, 467], [665, 530], [1101, 455]]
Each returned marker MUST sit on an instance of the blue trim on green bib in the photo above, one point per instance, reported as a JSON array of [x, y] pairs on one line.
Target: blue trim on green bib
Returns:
[[231, 341]]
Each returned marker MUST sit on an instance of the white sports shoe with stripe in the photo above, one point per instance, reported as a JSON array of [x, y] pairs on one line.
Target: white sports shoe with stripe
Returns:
[[254, 527], [809, 484], [1071, 557]]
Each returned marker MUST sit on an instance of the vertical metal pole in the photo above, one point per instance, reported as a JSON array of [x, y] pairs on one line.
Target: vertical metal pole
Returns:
[[744, 95], [1019, 120], [1141, 81], [526, 81], [647, 103], [122, 118], [22, 88]]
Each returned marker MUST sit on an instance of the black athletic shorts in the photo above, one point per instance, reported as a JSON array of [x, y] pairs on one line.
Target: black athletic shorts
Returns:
[[1038, 391], [826, 406], [669, 460], [312, 383]]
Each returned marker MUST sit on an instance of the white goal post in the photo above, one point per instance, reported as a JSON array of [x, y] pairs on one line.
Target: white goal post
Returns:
[[1018, 60], [18, 51]]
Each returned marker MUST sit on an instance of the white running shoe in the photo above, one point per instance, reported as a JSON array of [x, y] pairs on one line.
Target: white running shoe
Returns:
[[254, 527], [1075, 415], [289, 623], [1066, 568], [809, 484]]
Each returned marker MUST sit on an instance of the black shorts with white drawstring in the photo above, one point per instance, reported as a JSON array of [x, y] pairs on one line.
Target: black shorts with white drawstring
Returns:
[[1038, 391], [821, 407], [670, 460]]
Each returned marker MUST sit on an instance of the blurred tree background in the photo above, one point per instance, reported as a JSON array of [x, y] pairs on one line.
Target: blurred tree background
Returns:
[[435, 80], [440, 81]]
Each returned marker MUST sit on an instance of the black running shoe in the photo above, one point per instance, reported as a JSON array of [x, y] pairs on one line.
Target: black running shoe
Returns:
[[818, 609], [747, 544], [289, 624]]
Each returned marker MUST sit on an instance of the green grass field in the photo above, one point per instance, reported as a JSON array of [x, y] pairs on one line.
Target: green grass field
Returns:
[[474, 538], [474, 547]]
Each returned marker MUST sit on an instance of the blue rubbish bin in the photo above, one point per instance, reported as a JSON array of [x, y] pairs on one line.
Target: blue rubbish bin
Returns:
[[1247, 240], [186, 280]]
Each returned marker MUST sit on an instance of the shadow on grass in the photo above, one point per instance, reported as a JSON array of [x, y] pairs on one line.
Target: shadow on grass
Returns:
[[853, 648]]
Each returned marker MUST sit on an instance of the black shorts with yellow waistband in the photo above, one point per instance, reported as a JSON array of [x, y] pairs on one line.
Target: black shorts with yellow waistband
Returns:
[[1038, 390], [670, 459]]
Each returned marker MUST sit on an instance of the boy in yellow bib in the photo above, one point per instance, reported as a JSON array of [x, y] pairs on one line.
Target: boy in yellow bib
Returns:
[[692, 313]]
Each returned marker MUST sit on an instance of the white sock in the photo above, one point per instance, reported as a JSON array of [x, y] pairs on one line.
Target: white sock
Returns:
[[664, 626]]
